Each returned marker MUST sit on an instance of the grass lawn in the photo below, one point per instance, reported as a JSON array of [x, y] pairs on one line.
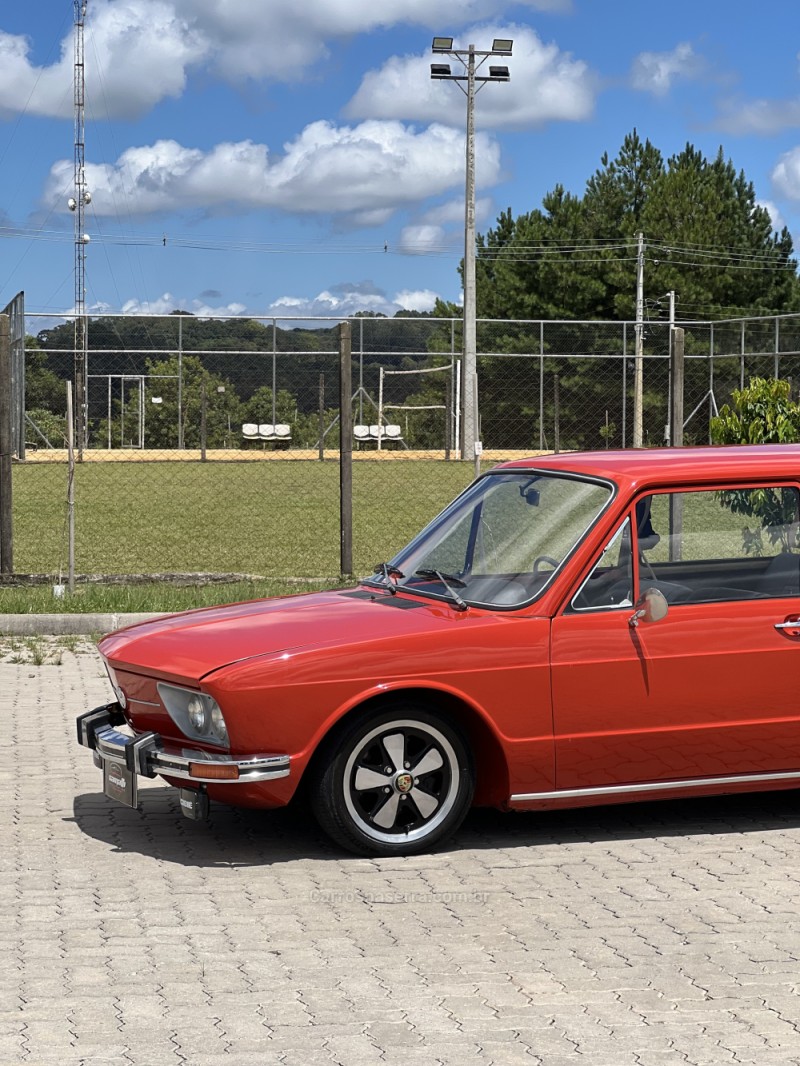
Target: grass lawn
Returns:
[[276, 520]]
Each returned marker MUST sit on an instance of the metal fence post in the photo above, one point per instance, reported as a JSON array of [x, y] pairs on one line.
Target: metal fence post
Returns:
[[345, 451], [6, 514]]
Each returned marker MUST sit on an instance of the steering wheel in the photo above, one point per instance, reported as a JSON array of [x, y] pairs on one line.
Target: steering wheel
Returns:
[[543, 559]]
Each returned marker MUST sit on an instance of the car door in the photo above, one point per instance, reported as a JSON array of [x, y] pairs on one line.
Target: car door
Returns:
[[712, 689]]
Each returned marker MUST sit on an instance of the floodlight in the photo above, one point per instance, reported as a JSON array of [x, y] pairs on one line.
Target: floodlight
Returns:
[[499, 73], [440, 70], [502, 47], [442, 44]]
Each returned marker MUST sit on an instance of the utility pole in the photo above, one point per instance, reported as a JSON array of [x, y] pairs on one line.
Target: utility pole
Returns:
[[77, 204], [638, 383], [474, 82], [469, 379]]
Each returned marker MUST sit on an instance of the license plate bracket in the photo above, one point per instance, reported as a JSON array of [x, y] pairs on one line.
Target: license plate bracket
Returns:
[[119, 783]]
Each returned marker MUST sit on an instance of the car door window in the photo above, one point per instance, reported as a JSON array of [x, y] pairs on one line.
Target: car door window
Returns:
[[610, 582], [728, 544]]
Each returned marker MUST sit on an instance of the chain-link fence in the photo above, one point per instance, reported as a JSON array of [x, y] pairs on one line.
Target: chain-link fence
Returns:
[[212, 445]]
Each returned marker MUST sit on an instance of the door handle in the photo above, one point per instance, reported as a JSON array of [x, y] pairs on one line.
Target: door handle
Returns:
[[788, 625]]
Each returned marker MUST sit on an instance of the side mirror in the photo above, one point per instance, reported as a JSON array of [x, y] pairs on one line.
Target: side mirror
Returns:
[[650, 607]]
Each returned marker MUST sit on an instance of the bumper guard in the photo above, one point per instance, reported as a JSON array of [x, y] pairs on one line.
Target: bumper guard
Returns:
[[144, 753]]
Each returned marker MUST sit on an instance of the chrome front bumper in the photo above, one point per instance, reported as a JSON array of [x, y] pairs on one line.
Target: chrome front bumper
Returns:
[[144, 754]]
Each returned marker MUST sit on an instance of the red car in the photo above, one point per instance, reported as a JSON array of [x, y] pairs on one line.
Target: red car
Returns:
[[571, 630]]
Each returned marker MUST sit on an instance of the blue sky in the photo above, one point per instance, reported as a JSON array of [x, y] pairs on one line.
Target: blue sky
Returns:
[[293, 157]]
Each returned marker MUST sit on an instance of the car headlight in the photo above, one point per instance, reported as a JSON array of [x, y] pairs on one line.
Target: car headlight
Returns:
[[196, 714]]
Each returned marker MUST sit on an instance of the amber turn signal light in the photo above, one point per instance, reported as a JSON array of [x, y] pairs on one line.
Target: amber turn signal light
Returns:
[[204, 771]]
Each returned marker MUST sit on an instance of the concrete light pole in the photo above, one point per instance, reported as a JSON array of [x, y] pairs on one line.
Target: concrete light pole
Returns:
[[638, 365], [473, 81]]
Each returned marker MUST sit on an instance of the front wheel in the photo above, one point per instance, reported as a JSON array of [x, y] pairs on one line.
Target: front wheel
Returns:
[[394, 783]]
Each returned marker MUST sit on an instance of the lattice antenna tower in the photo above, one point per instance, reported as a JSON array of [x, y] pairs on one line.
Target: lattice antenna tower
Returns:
[[77, 203]]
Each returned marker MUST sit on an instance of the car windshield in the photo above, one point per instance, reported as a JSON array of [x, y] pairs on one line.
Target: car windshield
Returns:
[[501, 541]]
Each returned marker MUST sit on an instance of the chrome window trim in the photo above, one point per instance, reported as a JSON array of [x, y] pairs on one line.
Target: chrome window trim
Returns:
[[564, 475]]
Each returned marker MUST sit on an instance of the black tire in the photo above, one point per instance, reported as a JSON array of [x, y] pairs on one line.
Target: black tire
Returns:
[[367, 796]]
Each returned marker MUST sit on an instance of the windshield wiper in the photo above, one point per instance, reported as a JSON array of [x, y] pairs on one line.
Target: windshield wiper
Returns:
[[448, 580], [387, 572]]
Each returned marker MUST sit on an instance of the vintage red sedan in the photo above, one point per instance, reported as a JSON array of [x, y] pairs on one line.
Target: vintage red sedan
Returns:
[[573, 629]]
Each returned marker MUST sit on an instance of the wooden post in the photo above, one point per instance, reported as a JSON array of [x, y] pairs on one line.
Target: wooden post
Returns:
[[321, 417], [203, 419], [6, 514], [345, 450]]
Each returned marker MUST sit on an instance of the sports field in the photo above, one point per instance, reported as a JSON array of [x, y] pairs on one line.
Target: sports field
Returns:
[[276, 519]]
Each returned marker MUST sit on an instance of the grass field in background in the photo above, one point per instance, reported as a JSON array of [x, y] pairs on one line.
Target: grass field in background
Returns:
[[146, 598], [275, 519]]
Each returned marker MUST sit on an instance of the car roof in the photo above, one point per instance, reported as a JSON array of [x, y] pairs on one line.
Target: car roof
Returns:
[[643, 467]]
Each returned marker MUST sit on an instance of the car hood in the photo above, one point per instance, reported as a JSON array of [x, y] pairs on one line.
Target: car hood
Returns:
[[194, 644]]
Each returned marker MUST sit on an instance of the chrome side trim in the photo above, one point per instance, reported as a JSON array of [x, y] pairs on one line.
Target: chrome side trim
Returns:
[[657, 786]]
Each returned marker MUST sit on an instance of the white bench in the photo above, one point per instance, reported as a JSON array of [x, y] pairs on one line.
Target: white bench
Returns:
[[267, 431], [362, 434]]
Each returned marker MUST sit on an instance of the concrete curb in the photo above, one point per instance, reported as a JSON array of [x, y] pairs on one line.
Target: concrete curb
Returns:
[[56, 625]]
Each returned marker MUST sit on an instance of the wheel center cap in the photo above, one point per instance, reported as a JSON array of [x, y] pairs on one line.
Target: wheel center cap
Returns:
[[404, 783]]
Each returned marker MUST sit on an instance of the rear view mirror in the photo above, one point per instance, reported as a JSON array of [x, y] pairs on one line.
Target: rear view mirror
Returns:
[[650, 607]]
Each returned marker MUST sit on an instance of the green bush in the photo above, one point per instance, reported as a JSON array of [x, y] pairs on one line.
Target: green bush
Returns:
[[762, 413]]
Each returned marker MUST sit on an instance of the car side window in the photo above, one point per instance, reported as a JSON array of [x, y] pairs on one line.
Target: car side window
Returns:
[[610, 582], [727, 544]]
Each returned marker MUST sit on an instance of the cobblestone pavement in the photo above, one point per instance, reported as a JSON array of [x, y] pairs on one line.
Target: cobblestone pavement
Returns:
[[657, 935]]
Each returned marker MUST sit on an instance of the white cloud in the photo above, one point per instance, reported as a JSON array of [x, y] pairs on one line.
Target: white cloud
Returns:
[[166, 303], [416, 300], [453, 212], [276, 39], [546, 85], [415, 240], [786, 174], [441, 228], [348, 298], [774, 213], [654, 72], [764, 117], [364, 172], [138, 52]]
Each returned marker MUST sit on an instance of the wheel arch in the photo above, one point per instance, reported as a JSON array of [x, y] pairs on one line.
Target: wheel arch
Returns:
[[491, 766]]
